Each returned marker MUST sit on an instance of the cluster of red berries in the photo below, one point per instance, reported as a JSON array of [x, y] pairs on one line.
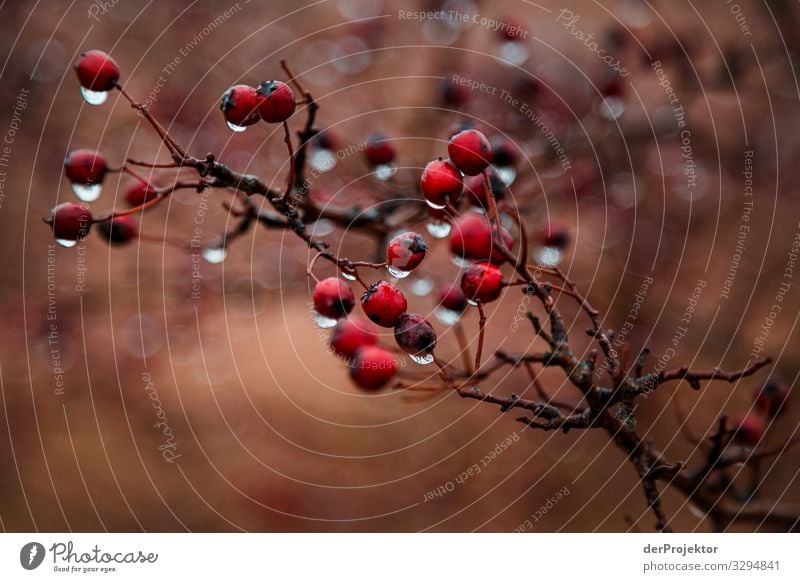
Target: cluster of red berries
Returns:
[[271, 101], [769, 403]]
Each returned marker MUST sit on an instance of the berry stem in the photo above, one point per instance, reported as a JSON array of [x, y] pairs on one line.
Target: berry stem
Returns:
[[287, 138], [481, 330], [463, 345]]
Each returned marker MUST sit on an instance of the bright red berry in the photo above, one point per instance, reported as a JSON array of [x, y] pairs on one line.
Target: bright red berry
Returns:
[[118, 231], [333, 298], [771, 397], [138, 192], [482, 282], [749, 429], [384, 304], [476, 188], [441, 181], [85, 167], [415, 335], [373, 367], [97, 71], [504, 151], [472, 239], [70, 221], [276, 101], [405, 252], [240, 105], [452, 297], [554, 234], [470, 151], [379, 150], [351, 333]]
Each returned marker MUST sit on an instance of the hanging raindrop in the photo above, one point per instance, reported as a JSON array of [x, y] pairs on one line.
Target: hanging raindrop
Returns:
[[214, 255], [472, 302], [506, 174], [94, 97], [236, 128], [422, 286], [349, 276], [385, 171], [438, 228], [548, 256], [66, 242], [422, 359], [399, 273], [434, 205], [87, 192], [512, 53], [323, 322], [447, 316], [322, 161]]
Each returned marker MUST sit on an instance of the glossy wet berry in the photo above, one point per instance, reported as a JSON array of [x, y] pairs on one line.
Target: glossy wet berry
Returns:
[[482, 282], [771, 397], [276, 101], [452, 297], [470, 151], [240, 105], [472, 239], [96, 71], [384, 304], [85, 167], [118, 231], [70, 221], [415, 335], [405, 252], [373, 367], [554, 234], [748, 429], [138, 192], [333, 298], [476, 188], [379, 150], [441, 182], [351, 333]]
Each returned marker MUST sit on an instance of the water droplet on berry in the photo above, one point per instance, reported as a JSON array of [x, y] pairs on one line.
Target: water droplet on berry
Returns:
[[87, 192], [214, 255], [94, 97], [66, 242], [399, 273], [548, 256], [349, 276], [322, 161], [422, 286], [506, 174], [611, 107], [422, 359], [472, 302], [460, 262], [384, 171], [236, 128], [434, 205], [323, 322], [447, 316], [438, 228], [512, 53]]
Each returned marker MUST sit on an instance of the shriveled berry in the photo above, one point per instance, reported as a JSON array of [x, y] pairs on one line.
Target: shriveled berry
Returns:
[[771, 397], [482, 282], [118, 231], [554, 234], [749, 429], [470, 151], [373, 367], [415, 335], [476, 188], [452, 297], [85, 167], [138, 192], [240, 105], [406, 251], [505, 152], [275, 101], [441, 181], [471, 239], [379, 150], [97, 71], [351, 333], [333, 298], [70, 221], [384, 304]]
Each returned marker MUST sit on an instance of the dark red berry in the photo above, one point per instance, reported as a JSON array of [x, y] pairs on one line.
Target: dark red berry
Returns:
[[441, 181], [97, 71], [452, 297], [406, 251], [326, 140], [472, 239], [771, 397], [505, 152], [512, 30], [749, 429], [275, 101], [373, 367], [240, 105], [333, 298], [554, 234], [118, 231], [379, 150], [470, 151], [70, 221], [85, 167], [384, 304], [138, 192], [453, 94], [351, 333], [476, 188], [482, 282], [415, 335]]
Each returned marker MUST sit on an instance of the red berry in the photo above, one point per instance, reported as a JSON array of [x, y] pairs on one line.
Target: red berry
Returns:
[[470, 151], [512, 30], [373, 367], [85, 167], [406, 251], [471, 239], [118, 231], [351, 333], [70, 221], [476, 188], [240, 105], [384, 304], [276, 101], [771, 397], [138, 192], [453, 94], [504, 151], [452, 297], [749, 429], [482, 282], [97, 71], [441, 181], [554, 234], [333, 298], [326, 139], [415, 335], [379, 150]]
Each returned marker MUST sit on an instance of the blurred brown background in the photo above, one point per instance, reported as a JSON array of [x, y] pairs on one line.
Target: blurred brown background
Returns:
[[269, 434]]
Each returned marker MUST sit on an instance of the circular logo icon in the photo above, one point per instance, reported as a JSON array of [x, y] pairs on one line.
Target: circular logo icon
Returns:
[[31, 555]]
